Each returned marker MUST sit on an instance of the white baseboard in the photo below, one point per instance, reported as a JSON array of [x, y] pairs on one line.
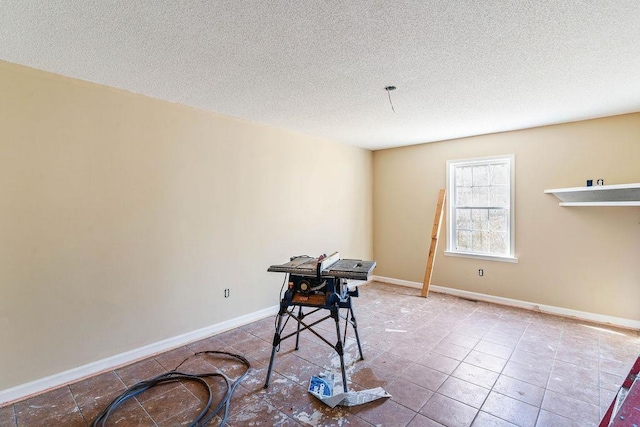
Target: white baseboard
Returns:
[[56, 380], [558, 311]]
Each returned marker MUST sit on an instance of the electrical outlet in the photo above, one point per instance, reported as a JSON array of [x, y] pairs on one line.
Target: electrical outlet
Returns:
[[227, 293], [481, 272]]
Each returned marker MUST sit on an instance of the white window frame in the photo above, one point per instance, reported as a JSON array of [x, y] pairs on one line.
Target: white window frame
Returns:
[[451, 196]]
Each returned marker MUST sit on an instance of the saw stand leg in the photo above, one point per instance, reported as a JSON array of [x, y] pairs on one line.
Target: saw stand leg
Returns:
[[354, 323], [300, 316], [276, 342], [335, 311]]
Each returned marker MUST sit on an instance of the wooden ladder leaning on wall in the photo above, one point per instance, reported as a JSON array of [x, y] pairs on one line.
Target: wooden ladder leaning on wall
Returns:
[[435, 234]]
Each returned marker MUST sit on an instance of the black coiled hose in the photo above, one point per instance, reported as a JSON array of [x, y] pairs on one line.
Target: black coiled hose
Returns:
[[174, 375]]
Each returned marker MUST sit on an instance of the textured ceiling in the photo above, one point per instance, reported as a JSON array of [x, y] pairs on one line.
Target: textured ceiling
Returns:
[[461, 67]]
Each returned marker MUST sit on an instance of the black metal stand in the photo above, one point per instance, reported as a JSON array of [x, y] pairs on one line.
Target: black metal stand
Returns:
[[333, 305]]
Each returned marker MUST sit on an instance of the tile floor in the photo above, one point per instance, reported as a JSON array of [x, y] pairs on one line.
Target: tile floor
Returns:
[[445, 361]]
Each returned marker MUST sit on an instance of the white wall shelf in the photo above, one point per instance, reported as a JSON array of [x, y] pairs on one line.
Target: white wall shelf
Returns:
[[599, 195]]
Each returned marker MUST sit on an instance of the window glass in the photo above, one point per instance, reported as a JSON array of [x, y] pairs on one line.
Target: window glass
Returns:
[[481, 206]]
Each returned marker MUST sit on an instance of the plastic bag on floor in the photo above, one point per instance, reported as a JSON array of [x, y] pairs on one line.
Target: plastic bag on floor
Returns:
[[323, 386]]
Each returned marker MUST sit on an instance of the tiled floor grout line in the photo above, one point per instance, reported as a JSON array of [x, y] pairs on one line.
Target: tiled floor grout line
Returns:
[[502, 370], [553, 363], [146, 412], [499, 374], [121, 380], [545, 389], [136, 398], [485, 399], [77, 405], [479, 409], [189, 391], [562, 340], [599, 379]]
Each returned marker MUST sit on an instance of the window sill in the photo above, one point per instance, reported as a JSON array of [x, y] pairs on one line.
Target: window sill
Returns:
[[483, 257]]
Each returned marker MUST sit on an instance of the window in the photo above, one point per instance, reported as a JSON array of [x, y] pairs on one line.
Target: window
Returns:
[[480, 217]]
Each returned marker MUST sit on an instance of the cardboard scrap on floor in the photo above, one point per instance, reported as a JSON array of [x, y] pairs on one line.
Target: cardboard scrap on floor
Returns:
[[323, 387]]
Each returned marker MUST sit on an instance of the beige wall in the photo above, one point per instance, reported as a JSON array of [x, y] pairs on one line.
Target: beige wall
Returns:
[[123, 218], [581, 258]]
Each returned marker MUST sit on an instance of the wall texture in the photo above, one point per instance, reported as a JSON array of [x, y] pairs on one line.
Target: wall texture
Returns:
[[581, 258], [123, 218]]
